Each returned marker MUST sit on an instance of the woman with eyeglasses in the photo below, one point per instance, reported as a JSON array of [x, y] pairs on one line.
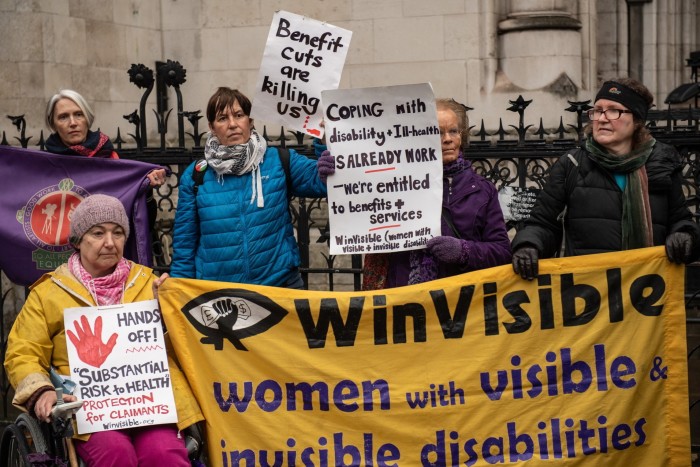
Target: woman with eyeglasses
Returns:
[[474, 234], [620, 190]]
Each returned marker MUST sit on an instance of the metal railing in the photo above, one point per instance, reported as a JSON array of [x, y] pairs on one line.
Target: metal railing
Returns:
[[519, 156]]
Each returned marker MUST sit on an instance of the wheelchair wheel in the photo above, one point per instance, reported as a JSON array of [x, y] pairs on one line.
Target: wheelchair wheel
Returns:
[[33, 433], [20, 439], [14, 449]]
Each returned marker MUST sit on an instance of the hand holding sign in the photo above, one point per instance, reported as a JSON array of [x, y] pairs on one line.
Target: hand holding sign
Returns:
[[91, 349], [326, 165], [449, 250]]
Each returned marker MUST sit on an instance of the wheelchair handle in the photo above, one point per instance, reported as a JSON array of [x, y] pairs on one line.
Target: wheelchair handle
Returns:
[[66, 410]]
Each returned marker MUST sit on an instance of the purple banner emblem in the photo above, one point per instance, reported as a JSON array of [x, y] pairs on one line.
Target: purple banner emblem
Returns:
[[41, 190]]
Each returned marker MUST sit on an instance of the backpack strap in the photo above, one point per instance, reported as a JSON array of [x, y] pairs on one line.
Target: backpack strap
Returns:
[[198, 174], [571, 175], [570, 184], [284, 159], [447, 216]]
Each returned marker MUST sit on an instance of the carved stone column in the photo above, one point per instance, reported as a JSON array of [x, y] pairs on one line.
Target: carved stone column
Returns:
[[540, 47], [636, 35]]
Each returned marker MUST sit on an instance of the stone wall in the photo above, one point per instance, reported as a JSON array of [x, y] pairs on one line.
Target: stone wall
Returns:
[[394, 42], [86, 45]]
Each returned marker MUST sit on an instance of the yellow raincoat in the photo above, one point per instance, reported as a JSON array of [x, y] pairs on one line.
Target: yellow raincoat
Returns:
[[38, 339]]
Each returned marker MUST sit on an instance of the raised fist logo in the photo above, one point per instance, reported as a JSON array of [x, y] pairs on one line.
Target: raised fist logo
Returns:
[[232, 314], [227, 313]]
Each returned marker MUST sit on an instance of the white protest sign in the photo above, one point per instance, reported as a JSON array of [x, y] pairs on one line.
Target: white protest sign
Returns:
[[302, 58], [118, 361], [386, 192], [517, 203]]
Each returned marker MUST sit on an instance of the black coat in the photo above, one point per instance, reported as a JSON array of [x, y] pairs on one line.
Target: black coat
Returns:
[[593, 202]]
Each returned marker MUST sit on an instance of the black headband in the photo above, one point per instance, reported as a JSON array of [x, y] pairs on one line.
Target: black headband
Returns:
[[626, 96]]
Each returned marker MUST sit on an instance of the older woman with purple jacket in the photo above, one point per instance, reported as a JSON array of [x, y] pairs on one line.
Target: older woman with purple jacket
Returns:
[[474, 233]]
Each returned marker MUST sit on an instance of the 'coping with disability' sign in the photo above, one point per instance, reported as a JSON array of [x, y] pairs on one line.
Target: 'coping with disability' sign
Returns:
[[123, 377], [388, 168], [302, 58]]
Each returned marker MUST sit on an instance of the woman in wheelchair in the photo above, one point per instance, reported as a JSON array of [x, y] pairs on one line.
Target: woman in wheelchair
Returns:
[[96, 274]]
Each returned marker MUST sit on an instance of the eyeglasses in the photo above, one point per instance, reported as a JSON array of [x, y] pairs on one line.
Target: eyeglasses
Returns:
[[610, 114]]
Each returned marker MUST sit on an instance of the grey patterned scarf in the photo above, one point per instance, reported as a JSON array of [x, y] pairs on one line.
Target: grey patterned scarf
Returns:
[[238, 159]]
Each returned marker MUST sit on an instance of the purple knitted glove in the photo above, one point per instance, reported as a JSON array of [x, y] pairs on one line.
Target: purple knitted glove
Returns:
[[449, 249], [326, 165]]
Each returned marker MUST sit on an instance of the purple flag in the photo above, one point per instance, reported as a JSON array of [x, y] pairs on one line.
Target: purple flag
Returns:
[[40, 190]]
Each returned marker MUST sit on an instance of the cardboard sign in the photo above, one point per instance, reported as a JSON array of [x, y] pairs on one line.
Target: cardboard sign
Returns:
[[302, 58], [118, 361], [388, 168]]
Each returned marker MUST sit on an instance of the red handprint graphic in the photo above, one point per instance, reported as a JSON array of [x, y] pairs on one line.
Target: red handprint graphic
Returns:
[[91, 349]]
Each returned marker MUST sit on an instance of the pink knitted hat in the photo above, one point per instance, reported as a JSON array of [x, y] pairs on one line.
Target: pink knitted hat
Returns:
[[96, 209]]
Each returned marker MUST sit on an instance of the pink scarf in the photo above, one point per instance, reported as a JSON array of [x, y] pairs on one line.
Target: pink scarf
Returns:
[[106, 290]]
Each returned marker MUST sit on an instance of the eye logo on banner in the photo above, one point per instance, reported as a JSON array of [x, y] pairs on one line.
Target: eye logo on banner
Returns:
[[46, 222], [232, 314]]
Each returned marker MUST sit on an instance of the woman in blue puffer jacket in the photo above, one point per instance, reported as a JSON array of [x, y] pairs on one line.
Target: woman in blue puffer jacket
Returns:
[[236, 226]]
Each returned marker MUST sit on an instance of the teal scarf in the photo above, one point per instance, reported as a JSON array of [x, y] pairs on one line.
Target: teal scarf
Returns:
[[636, 212]]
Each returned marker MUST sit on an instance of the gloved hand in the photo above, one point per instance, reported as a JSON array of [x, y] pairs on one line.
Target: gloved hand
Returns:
[[679, 246], [525, 262], [448, 249], [326, 165]]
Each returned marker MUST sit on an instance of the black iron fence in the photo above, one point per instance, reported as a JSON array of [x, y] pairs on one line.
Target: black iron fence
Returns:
[[518, 155]]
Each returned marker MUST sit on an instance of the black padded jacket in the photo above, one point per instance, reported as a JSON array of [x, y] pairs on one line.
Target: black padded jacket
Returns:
[[582, 202]]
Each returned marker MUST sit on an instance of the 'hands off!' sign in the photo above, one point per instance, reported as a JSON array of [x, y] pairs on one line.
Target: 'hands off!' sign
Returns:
[[123, 377]]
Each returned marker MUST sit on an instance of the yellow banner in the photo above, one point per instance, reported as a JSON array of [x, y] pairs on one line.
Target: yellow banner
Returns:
[[584, 366]]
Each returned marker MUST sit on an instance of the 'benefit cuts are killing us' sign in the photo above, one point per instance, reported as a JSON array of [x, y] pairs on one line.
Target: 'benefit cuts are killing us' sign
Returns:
[[302, 57], [388, 168]]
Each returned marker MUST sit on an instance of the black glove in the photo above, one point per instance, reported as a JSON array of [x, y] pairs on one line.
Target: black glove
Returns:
[[525, 262], [679, 247]]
